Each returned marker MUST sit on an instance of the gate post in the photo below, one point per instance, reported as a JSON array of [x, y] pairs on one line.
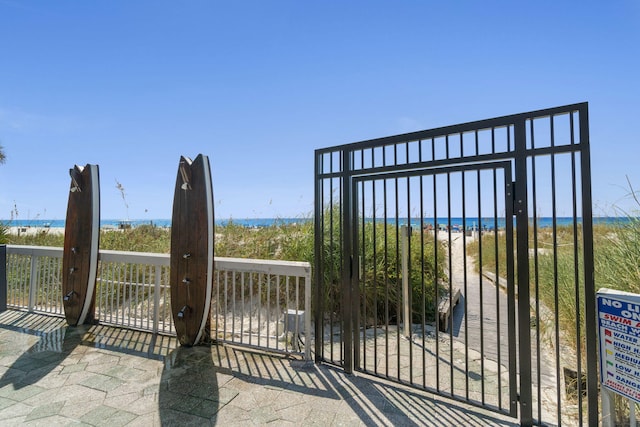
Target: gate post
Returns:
[[589, 280], [346, 204], [317, 250], [521, 212]]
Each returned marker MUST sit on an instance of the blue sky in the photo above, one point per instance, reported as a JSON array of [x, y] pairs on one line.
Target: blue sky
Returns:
[[259, 85]]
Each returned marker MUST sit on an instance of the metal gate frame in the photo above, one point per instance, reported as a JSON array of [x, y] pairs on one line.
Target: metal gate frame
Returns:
[[337, 168], [359, 347]]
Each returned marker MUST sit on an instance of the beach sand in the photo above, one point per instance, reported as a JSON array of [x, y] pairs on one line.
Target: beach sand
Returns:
[[32, 231]]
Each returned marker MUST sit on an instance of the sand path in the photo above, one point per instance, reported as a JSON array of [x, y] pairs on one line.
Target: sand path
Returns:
[[480, 321]]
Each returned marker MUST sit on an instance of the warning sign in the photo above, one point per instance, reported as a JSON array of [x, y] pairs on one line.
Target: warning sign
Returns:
[[619, 329]]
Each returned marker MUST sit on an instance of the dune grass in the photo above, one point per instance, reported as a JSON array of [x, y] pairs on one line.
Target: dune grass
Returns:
[[554, 260], [293, 242]]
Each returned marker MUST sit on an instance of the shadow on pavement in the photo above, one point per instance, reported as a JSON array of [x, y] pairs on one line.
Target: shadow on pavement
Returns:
[[214, 384]]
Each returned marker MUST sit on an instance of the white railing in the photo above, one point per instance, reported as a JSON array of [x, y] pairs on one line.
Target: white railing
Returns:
[[257, 303]]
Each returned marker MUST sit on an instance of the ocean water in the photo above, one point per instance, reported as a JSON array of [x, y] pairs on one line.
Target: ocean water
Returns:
[[454, 222], [115, 223]]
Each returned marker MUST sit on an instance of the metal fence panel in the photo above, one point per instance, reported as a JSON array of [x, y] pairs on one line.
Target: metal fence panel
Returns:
[[366, 192], [258, 303]]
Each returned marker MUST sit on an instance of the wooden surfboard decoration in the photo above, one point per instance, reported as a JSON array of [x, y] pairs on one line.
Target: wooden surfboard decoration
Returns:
[[192, 249], [81, 241]]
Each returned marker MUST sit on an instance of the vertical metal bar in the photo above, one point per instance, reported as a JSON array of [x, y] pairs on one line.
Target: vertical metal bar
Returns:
[[297, 307], [233, 306], [481, 283], [522, 240], [33, 281], [251, 305], [464, 276], [54, 283], [156, 298], [479, 264], [353, 273], [318, 220], [576, 275], [146, 295], [3, 278], [361, 263], [242, 307], [343, 347], [225, 307], [58, 297], [307, 317], [359, 253], [215, 326], [511, 295], [44, 293], [25, 282], [496, 251], [423, 311], [347, 261], [166, 294], [59, 286], [109, 290], [436, 284], [386, 274], [556, 296], [333, 273], [138, 284], [450, 281], [18, 291], [408, 320], [589, 286], [268, 308], [14, 265], [126, 297], [534, 197], [48, 288], [99, 285], [117, 284], [374, 265], [406, 314], [41, 294], [398, 286]]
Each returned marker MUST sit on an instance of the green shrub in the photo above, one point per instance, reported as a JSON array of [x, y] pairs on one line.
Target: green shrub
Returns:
[[381, 284], [381, 266], [42, 238], [4, 234]]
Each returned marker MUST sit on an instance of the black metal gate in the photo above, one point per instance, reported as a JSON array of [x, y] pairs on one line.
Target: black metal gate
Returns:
[[455, 260]]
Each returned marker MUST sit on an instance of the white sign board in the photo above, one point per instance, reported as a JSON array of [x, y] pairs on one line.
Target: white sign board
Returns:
[[619, 332]]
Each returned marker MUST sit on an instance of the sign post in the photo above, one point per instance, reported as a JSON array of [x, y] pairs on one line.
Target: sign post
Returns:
[[619, 342]]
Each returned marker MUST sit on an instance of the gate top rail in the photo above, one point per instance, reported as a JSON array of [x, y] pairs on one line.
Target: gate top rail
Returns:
[[496, 122]]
